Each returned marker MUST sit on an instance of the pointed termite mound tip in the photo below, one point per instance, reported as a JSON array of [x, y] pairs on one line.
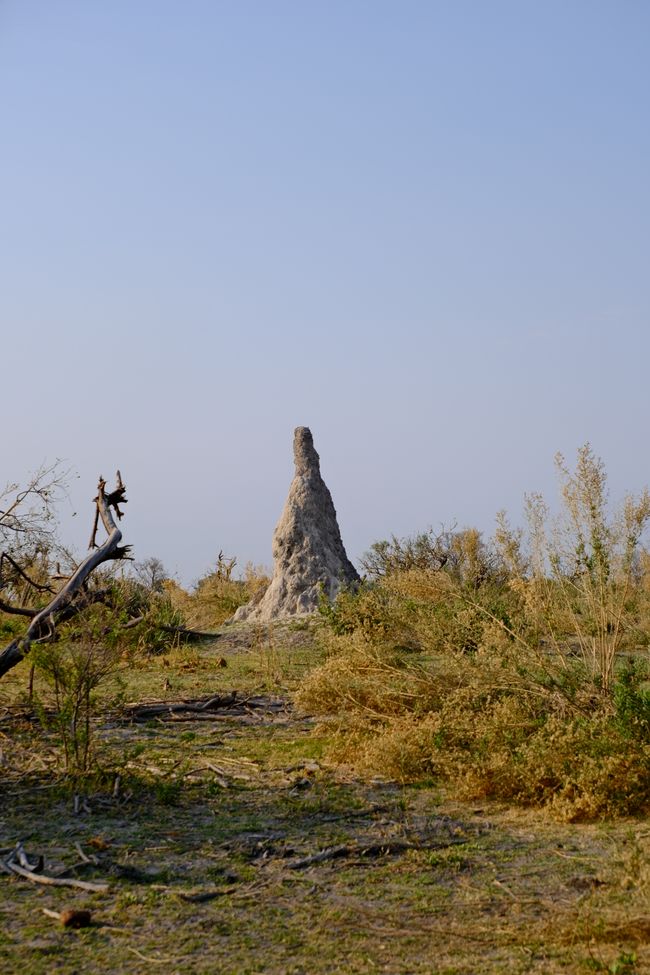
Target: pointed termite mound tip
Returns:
[[304, 452]]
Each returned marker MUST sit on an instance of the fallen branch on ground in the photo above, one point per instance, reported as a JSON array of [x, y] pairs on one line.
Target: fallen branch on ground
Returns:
[[19, 853], [39, 878], [387, 848], [18, 862], [202, 708]]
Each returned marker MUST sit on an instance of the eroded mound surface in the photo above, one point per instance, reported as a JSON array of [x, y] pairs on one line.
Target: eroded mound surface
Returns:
[[308, 553]]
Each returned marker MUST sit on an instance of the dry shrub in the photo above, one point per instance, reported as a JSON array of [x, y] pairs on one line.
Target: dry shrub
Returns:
[[485, 723], [256, 579], [577, 575], [441, 615], [217, 595], [515, 670], [367, 678], [584, 769], [419, 609], [404, 749]]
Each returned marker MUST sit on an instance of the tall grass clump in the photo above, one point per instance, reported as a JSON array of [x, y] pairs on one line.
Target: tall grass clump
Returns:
[[578, 576], [514, 669]]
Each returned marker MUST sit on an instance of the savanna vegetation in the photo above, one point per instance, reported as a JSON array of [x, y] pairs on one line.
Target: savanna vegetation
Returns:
[[515, 669], [446, 771]]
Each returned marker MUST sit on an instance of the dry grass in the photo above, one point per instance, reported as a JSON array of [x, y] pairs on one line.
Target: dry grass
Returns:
[[224, 809], [216, 596], [485, 724], [516, 670]]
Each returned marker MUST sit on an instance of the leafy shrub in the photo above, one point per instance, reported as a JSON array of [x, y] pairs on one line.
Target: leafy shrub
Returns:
[[632, 700], [142, 619], [73, 672]]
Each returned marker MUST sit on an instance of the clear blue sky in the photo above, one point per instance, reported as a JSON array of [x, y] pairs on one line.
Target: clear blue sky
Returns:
[[420, 228]]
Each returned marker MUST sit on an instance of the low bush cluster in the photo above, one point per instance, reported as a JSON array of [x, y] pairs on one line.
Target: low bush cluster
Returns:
[[217, 595], [515, 670]]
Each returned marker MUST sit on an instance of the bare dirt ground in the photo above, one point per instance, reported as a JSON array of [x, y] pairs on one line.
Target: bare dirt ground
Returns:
[[231, 845]]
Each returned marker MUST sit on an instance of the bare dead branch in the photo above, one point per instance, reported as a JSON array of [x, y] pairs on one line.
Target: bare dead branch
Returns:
[[209, 708], [43, 622], [39, 878], [5, 557], [93, 535], [16, 610]]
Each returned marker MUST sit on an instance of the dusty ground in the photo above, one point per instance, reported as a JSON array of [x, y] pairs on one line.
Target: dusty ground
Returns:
[[202, 842]]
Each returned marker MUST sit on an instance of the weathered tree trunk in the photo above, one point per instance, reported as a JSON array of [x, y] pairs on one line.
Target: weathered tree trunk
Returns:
[[43, 622]]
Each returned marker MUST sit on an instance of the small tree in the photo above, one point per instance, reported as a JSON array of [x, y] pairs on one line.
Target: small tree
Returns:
[[74, 671], [152, 574], [28, 511], [28, 545]]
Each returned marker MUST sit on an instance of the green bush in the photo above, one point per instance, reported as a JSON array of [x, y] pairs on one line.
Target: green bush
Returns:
[[632, 700], [72, 672]]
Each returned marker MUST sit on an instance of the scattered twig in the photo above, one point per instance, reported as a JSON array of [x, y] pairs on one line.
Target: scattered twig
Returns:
[[18, 853], [39, 878], [219, 774], [344, 850], [152, 961], [202, 896], [362, 850], [80, 804], [55, 914], [353, 814], [502, 886], [85, 858], [225, 760]]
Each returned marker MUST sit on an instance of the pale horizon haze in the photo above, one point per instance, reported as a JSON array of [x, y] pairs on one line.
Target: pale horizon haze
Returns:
[[421, 229]]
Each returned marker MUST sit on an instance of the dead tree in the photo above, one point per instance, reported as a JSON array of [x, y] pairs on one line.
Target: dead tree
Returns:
[[44, 620]]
